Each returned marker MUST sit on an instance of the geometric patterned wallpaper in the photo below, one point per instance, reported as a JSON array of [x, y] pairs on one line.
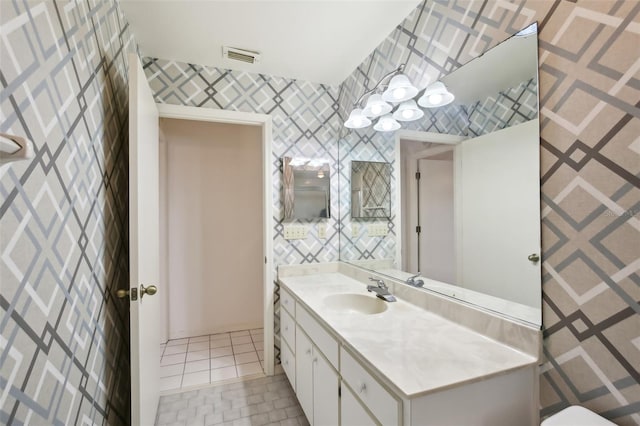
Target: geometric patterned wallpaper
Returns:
[[509, 108], [305, 124], [589, 54], [64, 338]]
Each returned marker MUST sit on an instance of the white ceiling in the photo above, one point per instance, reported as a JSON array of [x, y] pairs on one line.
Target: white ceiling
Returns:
[[312, 40]]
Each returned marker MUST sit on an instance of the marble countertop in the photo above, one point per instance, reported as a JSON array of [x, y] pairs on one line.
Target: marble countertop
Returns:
[[415, 351]]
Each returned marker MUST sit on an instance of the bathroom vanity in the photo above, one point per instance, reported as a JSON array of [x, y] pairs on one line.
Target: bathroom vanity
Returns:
[[354, 359]]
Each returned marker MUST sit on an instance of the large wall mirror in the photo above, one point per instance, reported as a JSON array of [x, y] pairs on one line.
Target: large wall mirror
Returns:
[[467, 199]]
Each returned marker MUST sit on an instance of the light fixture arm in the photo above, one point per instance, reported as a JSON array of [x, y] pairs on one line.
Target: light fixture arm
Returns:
[[380, 84]]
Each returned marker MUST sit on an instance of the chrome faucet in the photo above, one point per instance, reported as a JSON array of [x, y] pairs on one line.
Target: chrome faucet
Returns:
[[381, 290], [413, 282]]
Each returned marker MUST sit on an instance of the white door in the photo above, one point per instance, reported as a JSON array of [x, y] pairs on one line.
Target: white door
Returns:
[[144, 248], [436, 242], [500, 214]]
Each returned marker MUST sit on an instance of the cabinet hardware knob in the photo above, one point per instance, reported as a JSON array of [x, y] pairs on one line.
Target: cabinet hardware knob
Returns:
[[309, 351], [363, 387], [533, 258]]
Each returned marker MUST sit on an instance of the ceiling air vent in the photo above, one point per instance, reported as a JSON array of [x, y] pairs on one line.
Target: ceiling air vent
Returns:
[[240, 55]]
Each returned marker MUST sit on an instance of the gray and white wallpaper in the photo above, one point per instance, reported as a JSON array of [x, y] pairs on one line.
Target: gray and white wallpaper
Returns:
[[305, 124], [590, 154], [64, 338], [63, 215]]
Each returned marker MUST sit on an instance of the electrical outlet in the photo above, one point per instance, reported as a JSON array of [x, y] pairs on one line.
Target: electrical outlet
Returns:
[[322, 231], [355, 229], [295, 232], [377, 229]]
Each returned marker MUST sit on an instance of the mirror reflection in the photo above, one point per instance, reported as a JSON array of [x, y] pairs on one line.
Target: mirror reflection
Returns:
[[466, 200], [306, 188], [370, 190]]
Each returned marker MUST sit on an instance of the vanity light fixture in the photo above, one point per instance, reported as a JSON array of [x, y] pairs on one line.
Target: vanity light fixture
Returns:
[[436, 95], [408, 111], [357, 120], [386, 123], [400, 89], [395, 88], [376, 106]]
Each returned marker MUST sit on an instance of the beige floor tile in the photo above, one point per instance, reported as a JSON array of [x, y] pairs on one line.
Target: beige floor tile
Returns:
[[246, 357], [171, 370], [172, 359], [248, 369], [216, 352], [175, 349], [198, 346], [223, 361], [201, 365], [197, 378], [247, 347], [198, 355], [223, 374]]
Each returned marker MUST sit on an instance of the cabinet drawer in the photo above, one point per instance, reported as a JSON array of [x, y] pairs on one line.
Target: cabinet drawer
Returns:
[[288, 329], [289, 365], [288, 302], [378, 400], [352, 412], [320, 337]]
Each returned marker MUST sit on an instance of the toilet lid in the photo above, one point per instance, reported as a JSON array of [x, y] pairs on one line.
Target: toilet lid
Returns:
[[576, 416]]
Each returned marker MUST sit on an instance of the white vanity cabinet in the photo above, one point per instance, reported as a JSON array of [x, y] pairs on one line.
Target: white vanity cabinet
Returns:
[[288, 333], [316, 383], [314, 379], [337, 384]]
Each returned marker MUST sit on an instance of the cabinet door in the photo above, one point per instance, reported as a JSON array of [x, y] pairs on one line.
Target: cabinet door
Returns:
[[352, 413], [289, 364], [304, 373], [325, 392]]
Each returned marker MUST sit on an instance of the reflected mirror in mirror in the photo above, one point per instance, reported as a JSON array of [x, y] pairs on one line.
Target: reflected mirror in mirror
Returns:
[[370, 190], [471, 224], [306, 188]]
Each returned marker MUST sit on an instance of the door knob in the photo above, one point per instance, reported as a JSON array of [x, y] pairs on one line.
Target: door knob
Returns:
[[121, 294], [533, 257], [151, 290]]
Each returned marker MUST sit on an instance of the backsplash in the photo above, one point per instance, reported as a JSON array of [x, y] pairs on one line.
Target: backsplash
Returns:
[[589, 96], [64, 338]]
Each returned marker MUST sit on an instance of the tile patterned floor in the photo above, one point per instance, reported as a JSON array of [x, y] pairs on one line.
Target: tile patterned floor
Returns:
[[264, 401], [202, 360]]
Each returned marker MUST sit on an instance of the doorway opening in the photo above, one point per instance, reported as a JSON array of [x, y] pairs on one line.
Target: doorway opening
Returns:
[[426, 199], [215, 246]]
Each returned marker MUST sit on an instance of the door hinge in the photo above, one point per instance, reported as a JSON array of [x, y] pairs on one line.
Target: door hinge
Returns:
[[418, 229], [417, 175]]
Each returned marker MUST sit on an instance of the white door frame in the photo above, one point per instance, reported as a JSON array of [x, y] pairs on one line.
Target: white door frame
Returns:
[[399, 174], [251, 119]]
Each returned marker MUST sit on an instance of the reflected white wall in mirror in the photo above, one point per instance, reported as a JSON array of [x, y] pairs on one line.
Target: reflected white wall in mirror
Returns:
[[370, 189], [306, 188], [453, 239]]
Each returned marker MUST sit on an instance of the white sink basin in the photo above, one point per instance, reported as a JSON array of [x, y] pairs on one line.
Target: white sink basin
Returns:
[[360, 303]]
